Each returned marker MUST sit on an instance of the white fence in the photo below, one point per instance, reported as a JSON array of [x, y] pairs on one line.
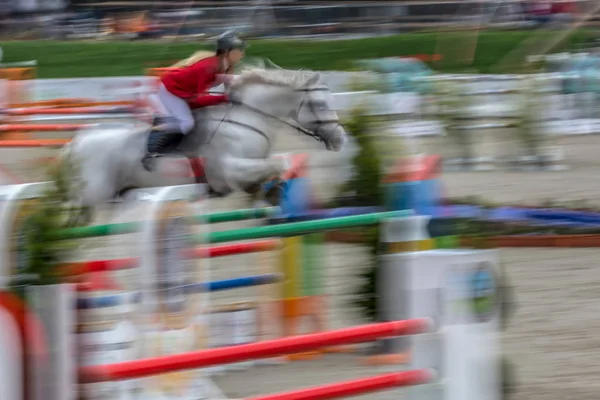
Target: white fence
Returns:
[[493, 102]]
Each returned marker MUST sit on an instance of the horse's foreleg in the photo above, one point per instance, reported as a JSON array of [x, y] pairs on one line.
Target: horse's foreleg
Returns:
[[248, 174]]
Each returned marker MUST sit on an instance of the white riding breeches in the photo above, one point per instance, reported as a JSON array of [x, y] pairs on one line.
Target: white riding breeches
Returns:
[[177, 108]]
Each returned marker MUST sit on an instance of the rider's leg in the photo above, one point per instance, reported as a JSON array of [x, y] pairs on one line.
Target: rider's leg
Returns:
[[178, 109], [181, 112]]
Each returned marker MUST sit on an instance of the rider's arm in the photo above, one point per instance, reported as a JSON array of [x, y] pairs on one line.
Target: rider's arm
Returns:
[[207, 76], [205, 100]]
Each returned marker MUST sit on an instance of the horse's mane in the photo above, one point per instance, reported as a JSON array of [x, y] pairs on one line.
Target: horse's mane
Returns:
[[277, 77]]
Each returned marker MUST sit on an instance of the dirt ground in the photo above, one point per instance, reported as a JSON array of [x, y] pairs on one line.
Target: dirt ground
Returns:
[[552, 338]]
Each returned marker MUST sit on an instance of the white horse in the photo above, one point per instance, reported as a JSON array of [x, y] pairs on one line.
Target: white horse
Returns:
[[238, 140]]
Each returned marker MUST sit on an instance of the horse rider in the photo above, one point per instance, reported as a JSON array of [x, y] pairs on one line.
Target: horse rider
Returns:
[[185, 89]]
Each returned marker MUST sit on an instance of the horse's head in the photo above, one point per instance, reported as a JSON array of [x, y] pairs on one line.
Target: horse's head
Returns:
[[316, 113], [296, 95]]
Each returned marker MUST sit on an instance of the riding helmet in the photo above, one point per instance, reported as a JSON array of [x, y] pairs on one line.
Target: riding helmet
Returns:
[[229, 41]]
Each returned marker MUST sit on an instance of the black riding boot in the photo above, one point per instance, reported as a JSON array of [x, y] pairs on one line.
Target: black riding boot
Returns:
[[159, 147]]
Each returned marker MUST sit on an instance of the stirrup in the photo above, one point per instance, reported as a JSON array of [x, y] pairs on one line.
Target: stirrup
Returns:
[[148, 160], [153, 155]]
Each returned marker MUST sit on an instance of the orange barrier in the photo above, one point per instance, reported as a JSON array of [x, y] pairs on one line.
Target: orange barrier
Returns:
[[67, 103], [68, 110], [42, 127], [48, 103], [34, 143]]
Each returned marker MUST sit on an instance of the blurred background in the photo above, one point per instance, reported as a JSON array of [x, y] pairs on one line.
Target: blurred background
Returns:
[[85, 19], [504, 95]]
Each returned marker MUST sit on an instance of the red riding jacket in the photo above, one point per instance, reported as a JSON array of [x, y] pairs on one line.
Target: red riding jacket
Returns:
[[191, 83]]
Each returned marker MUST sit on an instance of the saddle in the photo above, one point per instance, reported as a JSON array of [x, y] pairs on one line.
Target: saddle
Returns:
[[162, 126]]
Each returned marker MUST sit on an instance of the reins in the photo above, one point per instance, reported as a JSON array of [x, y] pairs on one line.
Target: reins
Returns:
[[297, 126]]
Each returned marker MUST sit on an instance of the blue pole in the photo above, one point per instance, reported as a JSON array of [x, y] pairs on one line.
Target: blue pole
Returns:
[[245, 281], [214, 286]]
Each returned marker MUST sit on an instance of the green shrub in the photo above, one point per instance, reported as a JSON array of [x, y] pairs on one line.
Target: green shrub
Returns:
[[364, 186], [364, 189], [41, 254]]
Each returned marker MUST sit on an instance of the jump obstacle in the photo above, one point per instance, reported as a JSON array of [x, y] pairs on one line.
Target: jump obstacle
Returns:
[[233, 311], [15, 210], [300, 257], [267, 232], [152, 245], [463, 326]]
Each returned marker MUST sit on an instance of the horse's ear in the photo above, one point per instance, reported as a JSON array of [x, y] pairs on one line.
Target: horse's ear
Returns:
[[314, 79]]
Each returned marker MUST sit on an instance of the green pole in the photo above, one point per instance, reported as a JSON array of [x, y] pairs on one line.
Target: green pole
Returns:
[[290, 229], [298, 228], [96, 231], [236, 215], [131, 227]]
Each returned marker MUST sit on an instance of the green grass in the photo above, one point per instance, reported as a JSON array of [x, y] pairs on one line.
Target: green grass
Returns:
[[86, 59]]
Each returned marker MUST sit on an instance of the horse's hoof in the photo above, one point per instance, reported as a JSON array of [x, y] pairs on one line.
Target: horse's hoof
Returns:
[[274, 195], [253, 189]]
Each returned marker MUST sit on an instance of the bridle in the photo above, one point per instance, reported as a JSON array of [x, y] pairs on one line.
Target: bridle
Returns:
[[317, 122], [313, 134]]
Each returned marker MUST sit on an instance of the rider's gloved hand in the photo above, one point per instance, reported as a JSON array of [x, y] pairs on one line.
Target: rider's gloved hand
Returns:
[[233, 97], [206, 100]]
